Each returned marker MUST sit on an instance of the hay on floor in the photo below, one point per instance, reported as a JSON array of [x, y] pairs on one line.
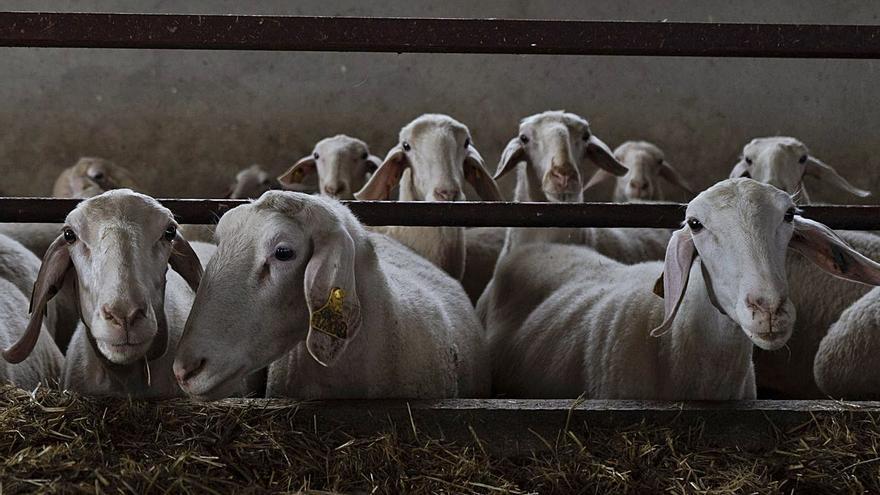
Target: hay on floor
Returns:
[[52, 441]]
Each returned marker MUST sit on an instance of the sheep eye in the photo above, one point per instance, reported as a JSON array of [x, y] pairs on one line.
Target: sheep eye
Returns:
[[803, 159], [695, 225], [170, 233], [283, 253], [69, 236], [406, 146], [365, 156], [98, 176], [748, 160], [524, 138], [586, 136], [789, 215], [467, 142], [315, 155]]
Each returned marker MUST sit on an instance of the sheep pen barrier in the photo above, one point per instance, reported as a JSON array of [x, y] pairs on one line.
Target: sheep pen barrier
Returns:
[[56, 441]]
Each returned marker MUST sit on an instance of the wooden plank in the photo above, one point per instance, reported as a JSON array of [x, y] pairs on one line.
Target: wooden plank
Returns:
[[515, 427]]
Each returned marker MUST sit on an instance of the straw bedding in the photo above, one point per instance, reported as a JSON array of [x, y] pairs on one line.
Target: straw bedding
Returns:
[[58, 442]]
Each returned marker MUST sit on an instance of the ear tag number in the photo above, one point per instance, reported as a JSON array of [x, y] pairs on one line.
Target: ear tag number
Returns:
[[329, 319]]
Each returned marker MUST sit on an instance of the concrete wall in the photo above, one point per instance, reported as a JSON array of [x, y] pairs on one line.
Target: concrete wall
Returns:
[[185, 120]]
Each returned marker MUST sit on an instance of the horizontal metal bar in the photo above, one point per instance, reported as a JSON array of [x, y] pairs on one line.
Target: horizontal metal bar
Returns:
[[465, 214], [419, 35]]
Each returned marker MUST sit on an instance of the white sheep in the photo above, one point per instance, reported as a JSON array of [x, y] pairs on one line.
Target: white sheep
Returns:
[[252, 182], [646, 164], [86, 178], [783, 162], [42, 365], [434, 157], [91, 176], [118, 246], [341, 163], [565, 320], [20, 266], [845, 365], [339, 311], [556, 148]]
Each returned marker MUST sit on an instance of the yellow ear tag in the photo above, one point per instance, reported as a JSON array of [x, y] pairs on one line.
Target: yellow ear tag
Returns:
[[329, 319]]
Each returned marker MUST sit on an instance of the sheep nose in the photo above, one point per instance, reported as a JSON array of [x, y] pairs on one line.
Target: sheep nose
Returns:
[[122, 316], [333, 189], [638, 185], [763, 304], [185, 372], [561, 175], [446, 194]]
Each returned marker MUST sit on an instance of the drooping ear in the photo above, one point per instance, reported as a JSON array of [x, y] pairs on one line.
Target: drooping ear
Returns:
[[475, 173], [331, 295], [50, 279], [823, 172], [832, 254], [386, 177], [599, 177], [296, 174], [513, 153], [680, 254], [186, 262], [601, 155], [741, 169], [668, 172]]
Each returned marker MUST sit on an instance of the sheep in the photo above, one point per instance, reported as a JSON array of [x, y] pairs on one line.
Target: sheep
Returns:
[[118, 246], [556, 147], [564, 320], [44, 364], [435, 152], [251, 182], [783, 162], [482, 247], [646, 164], [86, 178], [342, 164], [845, 360], [18, 272], [91, 176], [20, 266], [338, 311]]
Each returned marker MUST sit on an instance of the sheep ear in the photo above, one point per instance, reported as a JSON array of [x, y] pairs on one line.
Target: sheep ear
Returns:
[[823, 172], [513, 153], [598, 177], [186, 262], [475, 173], [50, 279], [741, 169], [331, 295], [668, 172], [601, 155], [680, 255], [832, 254], [386, 177], [296, 174]]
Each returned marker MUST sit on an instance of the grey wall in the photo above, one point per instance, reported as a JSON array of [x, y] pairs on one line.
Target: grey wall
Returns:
[[185, 120]]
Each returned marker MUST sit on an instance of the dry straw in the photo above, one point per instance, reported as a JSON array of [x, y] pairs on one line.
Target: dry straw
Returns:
[[59, 442]]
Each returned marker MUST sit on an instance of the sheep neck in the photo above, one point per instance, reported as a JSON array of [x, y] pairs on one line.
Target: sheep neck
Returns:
[[719, 353]]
